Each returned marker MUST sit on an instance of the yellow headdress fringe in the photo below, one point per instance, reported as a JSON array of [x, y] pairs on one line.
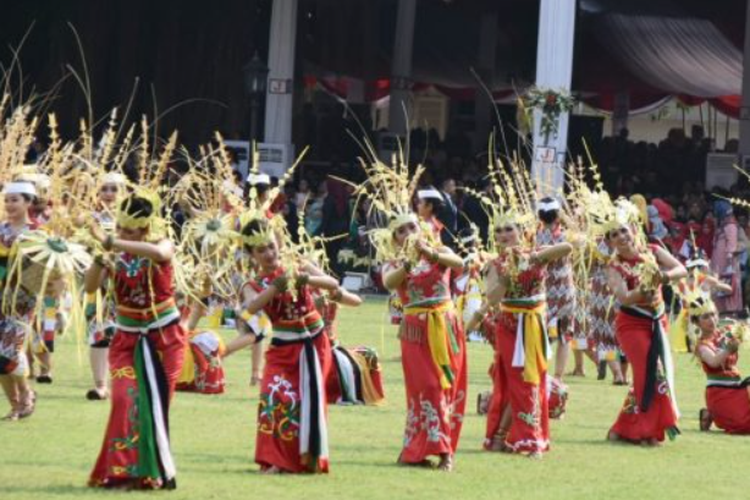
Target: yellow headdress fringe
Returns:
[[699, 303]]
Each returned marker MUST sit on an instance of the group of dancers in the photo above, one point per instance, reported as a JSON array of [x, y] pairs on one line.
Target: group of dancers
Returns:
[[559, 270]]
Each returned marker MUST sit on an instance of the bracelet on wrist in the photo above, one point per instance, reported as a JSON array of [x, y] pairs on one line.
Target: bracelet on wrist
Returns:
[[337, 294], [434, 256], [99, 261], [108, 243]]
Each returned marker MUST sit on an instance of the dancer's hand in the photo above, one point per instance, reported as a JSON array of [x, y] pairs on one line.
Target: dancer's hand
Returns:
[[733, 346], [97, 232], [281, 284]]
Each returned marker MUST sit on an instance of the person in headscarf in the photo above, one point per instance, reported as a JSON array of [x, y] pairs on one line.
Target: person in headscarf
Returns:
[[724, 261]]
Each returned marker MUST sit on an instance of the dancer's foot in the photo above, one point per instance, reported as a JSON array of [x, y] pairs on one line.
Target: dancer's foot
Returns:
[[44, 379], [446, 463], [97, 394], [704, 416], [651, 443], [13, 416], [28, 405], [578, 372], [428, 464], [498, 443], [535, 455], [613, 437], [272, 470], [483, 402], [601, 370]]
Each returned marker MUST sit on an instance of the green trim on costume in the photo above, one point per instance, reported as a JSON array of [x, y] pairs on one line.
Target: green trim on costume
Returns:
[[148, 464]]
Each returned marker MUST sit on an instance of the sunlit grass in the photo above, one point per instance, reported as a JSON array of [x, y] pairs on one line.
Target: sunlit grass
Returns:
[[51, 454]]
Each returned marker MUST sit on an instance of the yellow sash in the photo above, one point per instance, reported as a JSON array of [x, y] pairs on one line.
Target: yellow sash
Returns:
[[437, 338], [534, 341]]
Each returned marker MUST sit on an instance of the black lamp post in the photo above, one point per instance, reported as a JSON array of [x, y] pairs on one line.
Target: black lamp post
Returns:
[[256, 76]]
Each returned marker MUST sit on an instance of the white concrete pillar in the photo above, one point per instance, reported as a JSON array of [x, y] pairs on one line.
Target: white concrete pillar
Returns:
[[283, 33], [401, 65], [554, 70], [745, 109]]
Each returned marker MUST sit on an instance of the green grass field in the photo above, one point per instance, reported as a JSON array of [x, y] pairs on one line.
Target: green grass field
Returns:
[[49, 456]]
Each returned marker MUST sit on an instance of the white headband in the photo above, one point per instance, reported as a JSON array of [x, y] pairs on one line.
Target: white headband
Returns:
[[548, 206], [230, 187], [256, 179], [426, 194], [696, 263], [113, 178], [20, 188]]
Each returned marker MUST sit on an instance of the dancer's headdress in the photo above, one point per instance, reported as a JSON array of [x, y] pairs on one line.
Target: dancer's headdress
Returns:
[[152, 172], [699, 303], [391, 190], [512, 199], [611, 216]]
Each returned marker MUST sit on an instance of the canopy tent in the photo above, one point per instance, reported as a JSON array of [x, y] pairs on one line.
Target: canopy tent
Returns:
[[653, 50]]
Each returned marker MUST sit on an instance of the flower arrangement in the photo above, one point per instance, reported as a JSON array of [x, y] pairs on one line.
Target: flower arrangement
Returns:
[[551, 103]]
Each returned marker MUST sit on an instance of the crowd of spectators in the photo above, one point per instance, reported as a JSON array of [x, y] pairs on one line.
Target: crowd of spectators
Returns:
[[669, 175]]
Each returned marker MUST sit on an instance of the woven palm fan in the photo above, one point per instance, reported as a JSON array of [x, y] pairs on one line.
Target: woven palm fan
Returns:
[[45, 257]]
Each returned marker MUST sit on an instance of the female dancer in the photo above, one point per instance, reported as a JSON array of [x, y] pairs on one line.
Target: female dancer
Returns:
[[559, 286], [16, 311], [102, 319], [635, 276], [518, 415], [146, 351], [699, 279], [292, 431], [433, 346], [727, 393], [601, 308]]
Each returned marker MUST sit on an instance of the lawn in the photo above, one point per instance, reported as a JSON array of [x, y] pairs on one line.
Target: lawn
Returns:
[[50, 455]]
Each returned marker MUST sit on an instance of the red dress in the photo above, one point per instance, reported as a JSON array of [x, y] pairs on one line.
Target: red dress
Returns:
[[292, 430], [435, 384], [520, 370], [649, 410], [145, 359], [727, 394]]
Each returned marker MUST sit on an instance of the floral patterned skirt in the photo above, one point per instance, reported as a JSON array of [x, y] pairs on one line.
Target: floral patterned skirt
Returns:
[[125, 457], [434, 416], [529, 428], [280, 408]]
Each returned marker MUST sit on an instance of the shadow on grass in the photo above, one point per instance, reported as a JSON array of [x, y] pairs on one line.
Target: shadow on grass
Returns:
[[53, 490]]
